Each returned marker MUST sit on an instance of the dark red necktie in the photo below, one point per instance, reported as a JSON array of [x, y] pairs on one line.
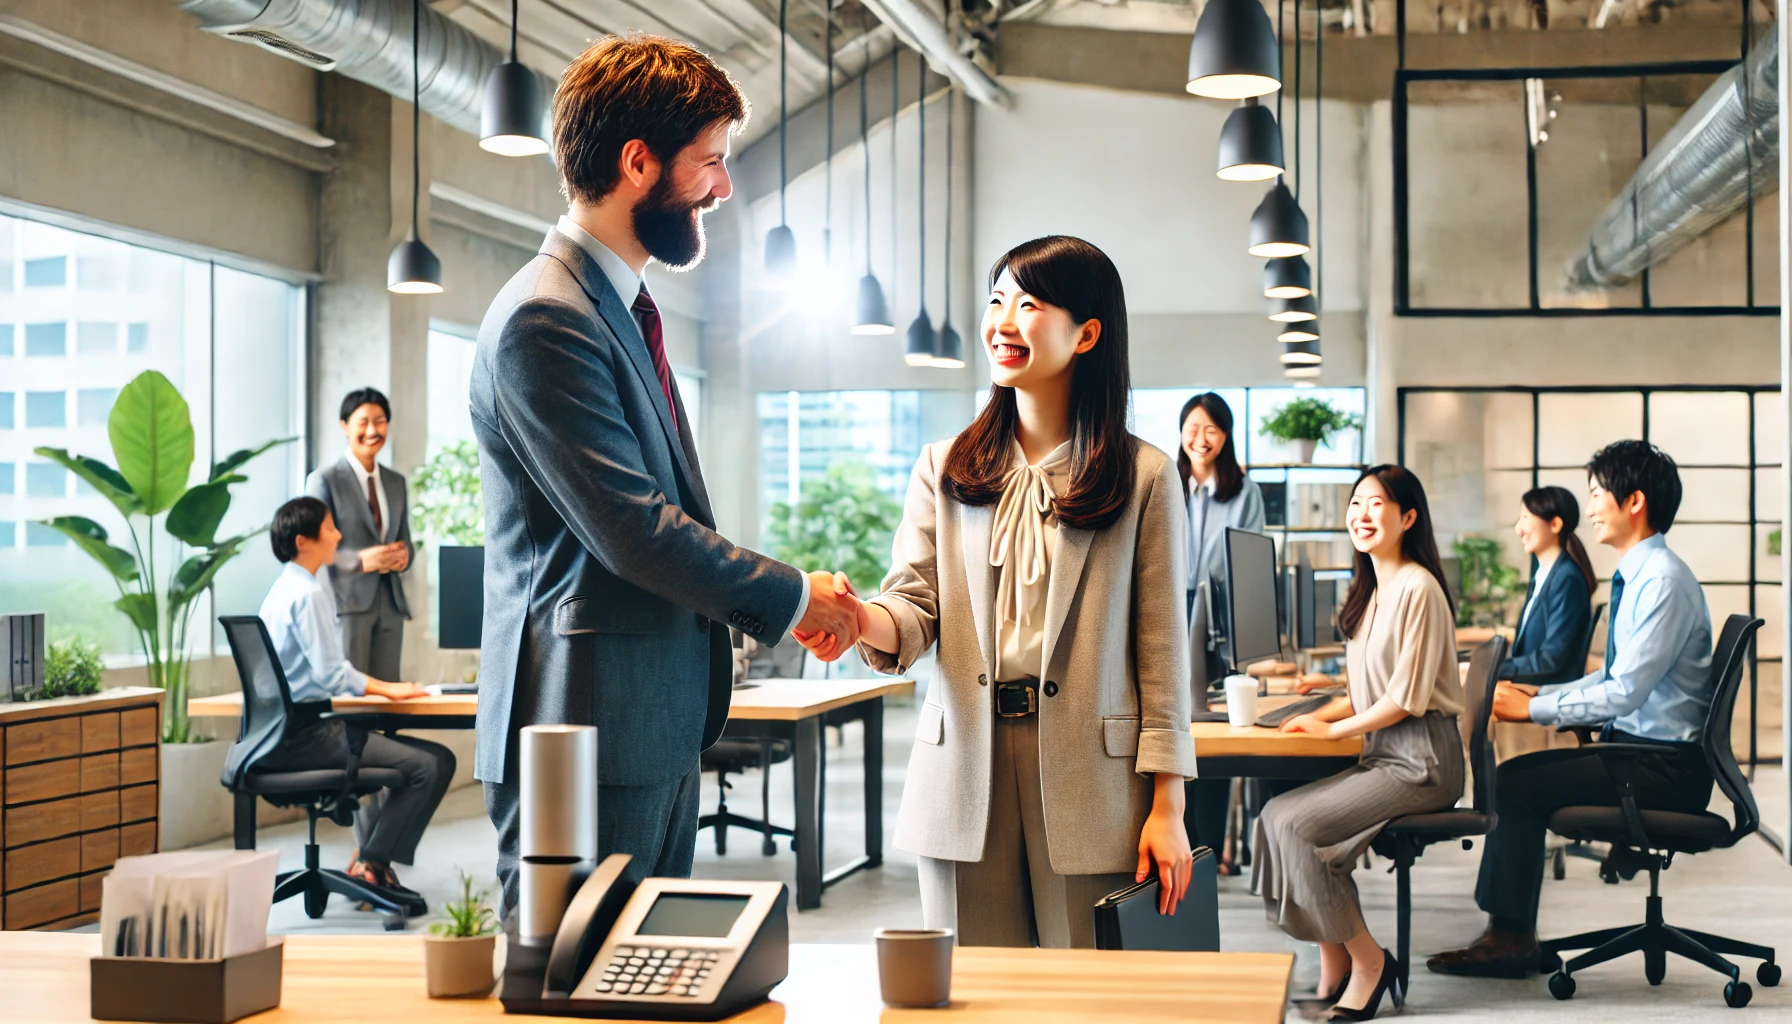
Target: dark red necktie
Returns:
[[649, 319]]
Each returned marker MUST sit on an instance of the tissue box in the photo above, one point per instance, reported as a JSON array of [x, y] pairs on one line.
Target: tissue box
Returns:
[[186, 991]]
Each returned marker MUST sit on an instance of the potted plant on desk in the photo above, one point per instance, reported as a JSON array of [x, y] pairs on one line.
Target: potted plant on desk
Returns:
[[458, 951], [1308, 423]]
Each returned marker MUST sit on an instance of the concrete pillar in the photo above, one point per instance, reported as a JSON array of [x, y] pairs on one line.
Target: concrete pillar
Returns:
[[1783, 817]]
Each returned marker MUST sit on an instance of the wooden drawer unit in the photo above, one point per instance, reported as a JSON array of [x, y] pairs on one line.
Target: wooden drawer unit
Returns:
[[79, 788], [138, 803], [139, 765], [39, 822], [43, 741], [43, 904]]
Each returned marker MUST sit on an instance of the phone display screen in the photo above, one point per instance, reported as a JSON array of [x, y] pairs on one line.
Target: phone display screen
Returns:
[[697, 915]]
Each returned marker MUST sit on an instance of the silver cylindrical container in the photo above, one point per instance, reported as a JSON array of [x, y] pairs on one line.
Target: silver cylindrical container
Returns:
[[558, 824]]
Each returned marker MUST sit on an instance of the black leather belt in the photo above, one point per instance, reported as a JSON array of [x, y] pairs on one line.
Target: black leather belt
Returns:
[[1017, 698]]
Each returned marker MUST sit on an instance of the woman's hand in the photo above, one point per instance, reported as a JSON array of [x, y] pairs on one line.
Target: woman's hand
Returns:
[[1311, 725], [827, 646], [1163, 842]]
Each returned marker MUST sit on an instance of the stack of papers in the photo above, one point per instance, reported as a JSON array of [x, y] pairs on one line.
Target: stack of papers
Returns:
[[198, 905]]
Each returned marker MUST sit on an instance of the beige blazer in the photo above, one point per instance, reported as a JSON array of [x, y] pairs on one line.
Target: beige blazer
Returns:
[[1114, 700]]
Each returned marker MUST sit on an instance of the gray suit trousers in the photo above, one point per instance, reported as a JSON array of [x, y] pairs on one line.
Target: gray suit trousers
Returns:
[[373, 640], [656, 825]]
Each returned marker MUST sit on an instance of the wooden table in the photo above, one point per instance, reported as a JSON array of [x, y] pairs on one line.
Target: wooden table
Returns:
[[791, 710], [373, 979], [1254, 752]]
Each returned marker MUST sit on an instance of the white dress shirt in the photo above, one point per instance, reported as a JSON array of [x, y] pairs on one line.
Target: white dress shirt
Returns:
[[1022, 535], [628, 286], [379, 493], [1537, 582], [301, 618]]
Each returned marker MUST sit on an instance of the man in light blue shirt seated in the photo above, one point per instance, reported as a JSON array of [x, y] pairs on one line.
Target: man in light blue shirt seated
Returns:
[[300, 614], [1653, 688]]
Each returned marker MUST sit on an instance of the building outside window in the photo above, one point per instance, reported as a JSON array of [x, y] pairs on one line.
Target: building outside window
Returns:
[[231, 341]]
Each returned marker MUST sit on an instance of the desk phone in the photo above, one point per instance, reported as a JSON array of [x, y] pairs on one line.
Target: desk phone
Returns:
[[662, 949]]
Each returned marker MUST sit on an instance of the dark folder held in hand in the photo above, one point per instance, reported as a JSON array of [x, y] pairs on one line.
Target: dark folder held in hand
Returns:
[[1128, 919]]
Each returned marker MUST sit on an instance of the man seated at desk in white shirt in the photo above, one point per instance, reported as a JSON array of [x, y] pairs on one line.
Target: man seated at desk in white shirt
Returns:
[[300, 615]]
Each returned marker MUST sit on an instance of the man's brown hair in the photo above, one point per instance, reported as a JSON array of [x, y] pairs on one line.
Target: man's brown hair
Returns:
[[636, 86]]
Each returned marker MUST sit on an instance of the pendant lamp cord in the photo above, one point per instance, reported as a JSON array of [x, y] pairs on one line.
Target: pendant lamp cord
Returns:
[[1297, 39], [783, 107], [921, 168], [416, 108], [1281, 41], [895, 233], [865, 148], [827, 231], [946, 316], [513, 6], [1319, 162]]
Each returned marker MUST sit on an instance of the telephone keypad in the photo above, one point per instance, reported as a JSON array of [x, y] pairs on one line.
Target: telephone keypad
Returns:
[[639, 970]]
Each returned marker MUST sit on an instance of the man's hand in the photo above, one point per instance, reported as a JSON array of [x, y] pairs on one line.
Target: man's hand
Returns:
[[401, 555], [831, 625], [377, 558], [1512, 702], [395, 691]]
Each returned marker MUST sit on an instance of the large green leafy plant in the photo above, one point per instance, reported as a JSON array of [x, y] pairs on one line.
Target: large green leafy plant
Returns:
[[446, 500], [1488, 586], [1308, 419], [151, 430], [842, 523]]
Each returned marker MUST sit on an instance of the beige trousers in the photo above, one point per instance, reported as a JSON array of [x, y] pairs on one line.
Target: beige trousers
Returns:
[[1012, 897]]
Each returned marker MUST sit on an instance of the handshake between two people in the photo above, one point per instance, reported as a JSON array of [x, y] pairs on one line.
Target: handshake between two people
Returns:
[[837, 619]]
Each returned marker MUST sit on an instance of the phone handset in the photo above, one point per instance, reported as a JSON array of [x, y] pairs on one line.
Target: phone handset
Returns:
[[585, 926]]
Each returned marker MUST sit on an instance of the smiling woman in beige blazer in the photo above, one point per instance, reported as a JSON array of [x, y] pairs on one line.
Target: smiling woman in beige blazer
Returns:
[[1043, 549]]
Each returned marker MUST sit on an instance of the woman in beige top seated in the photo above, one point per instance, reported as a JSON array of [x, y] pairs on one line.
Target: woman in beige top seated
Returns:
[[1404, 701], [1043, 549]]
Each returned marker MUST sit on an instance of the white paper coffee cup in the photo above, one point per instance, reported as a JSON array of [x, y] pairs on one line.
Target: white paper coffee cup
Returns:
[[1241, 701]]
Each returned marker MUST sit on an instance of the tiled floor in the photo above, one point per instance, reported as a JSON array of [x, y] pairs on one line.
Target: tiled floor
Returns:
[[1745, 892]]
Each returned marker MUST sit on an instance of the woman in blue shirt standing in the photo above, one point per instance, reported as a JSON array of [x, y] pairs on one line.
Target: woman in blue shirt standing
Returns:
[[1219, 495], [1554, 627]]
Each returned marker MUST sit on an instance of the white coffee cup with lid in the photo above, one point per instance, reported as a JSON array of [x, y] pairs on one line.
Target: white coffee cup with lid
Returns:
[[1241, 701]]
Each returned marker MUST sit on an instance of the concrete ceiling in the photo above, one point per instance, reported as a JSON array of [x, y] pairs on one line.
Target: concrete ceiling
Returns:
[[742, 35]]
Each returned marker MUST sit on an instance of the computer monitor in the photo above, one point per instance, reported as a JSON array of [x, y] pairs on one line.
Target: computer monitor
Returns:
[[1304, 622], [462, 596], [1250, 621]]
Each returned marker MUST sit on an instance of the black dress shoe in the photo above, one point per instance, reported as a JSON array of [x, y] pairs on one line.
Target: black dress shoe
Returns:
[[1389, 980], [1493, 955]]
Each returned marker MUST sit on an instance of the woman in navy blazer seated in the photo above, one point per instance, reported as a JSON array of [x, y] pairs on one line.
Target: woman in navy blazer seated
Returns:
[[1551, 646]]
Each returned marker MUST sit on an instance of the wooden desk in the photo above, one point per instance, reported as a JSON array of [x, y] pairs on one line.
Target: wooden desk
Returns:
[[1255, 752], [791, 710], [373, 979]]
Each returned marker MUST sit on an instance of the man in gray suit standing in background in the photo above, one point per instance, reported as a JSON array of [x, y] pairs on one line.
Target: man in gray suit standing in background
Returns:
[[608, 593]]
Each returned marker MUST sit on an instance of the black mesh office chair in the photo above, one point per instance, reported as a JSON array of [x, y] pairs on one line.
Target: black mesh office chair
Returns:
[[734, 755], [329, 792], [1405, 838], [1650, 839]]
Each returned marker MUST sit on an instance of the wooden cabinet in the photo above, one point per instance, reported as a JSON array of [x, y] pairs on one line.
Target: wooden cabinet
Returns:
[[80, 782]]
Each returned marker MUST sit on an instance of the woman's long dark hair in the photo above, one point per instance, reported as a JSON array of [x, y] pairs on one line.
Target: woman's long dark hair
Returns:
[[1077, 277], [1228, 476], [1552, 502], [1418, 544]]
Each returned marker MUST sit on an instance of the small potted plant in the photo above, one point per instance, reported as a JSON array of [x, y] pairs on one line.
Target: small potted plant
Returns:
[[72, 668], [458, 951], [1308, 423]]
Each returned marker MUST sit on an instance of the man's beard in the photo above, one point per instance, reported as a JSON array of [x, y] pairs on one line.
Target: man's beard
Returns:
[[671, 229]]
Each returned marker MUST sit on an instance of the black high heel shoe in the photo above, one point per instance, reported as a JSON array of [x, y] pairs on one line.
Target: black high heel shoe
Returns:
[[1338, 993], [1388, 982]]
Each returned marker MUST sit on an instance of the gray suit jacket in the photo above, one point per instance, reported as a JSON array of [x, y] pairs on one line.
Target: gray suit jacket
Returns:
[[337, 486], [603, 570], [1114, 704]]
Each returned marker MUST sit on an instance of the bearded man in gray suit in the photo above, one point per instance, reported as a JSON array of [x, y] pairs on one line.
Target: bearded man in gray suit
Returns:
[[608, 593]]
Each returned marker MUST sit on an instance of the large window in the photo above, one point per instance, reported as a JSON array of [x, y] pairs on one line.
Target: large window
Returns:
[[1478, 451], [93, 313]]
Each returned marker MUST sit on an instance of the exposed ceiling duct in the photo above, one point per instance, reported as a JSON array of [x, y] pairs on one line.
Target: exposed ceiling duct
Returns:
[[369, 41], [913, 22], [1695, 177]]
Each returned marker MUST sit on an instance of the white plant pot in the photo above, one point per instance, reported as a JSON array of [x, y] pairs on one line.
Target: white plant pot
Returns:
[[195, 806], [1303, 450], [459, 967]]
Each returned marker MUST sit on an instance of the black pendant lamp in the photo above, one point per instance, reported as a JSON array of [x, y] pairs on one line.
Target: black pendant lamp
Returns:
[[1300, 374], [1301, 353], [412, 269], [1287, 277], [1279, 226], [1293, 311], [949, 353], [874, 316], [922, 347], [510, 120], [1234, 54], [1250, 144], [1307, 330], [780, 242]]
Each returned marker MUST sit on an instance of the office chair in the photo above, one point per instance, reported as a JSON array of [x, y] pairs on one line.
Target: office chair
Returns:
[[1404, 839], [735, 755], [1650, 839], [324, 792]]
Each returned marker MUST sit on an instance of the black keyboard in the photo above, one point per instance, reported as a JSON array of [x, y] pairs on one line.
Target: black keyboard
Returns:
[[1273, 719]]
